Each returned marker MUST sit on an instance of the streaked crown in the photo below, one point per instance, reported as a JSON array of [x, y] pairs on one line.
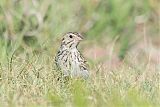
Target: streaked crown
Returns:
[[71, 39]]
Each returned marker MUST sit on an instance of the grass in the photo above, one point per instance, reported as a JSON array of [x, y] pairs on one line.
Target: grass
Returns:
[[127, 75], [30, 81]]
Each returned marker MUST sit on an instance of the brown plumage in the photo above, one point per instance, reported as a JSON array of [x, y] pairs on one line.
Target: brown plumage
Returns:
[[68, 59]]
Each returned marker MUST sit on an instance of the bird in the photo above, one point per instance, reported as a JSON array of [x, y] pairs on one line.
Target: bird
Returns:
[[69, 60]]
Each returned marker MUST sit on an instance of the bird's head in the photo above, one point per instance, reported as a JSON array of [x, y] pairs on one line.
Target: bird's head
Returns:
[[71, 39]]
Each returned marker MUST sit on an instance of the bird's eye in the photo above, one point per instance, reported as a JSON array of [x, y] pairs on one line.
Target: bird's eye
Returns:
[[70, 36]]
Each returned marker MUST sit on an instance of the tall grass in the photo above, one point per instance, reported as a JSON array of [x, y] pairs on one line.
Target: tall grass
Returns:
[[32, 82]]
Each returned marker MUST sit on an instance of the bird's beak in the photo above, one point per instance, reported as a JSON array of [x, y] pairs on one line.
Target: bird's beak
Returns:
[[80, 37]]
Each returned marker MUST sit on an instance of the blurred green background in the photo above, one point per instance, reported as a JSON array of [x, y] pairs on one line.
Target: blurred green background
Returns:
[[39, 23]]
